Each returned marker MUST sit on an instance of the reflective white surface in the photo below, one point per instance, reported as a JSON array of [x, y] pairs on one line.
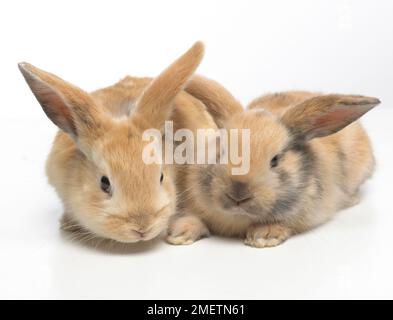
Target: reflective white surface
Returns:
[[252, 47]]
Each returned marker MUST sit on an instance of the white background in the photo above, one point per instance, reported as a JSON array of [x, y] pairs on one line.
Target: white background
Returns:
[[253, 47]]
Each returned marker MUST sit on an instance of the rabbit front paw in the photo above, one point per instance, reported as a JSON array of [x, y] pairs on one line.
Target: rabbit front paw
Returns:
[[264, 236], [186, 230]]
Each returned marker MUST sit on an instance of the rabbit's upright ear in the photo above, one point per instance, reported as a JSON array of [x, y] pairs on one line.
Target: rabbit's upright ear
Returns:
[[156, 103], [324, 115], [218, 100], [69, 107]]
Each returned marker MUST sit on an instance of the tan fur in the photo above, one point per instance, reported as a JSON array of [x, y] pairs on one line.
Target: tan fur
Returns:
[[277, 103], [102, 136], [209, 92], [314, 177]]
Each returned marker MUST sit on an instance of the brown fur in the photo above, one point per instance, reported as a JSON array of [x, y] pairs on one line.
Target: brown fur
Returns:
[[102, 136], [314, 178]]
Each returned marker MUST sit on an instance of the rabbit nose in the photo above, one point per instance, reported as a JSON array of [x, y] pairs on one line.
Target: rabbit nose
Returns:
[[140, 233], [239, 192], [238, 201]]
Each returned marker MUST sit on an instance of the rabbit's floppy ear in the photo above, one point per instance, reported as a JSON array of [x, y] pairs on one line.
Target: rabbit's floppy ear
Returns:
[[155, 105], [324, 115], [218, 100], [69, 107]]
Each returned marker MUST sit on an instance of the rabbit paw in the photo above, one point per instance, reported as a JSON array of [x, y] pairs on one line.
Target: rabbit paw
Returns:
[[263, 236], [186, 230]]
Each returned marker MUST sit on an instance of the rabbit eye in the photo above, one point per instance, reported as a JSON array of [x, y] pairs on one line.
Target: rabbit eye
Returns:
[[162, 178], [274, 161], [105, 184]]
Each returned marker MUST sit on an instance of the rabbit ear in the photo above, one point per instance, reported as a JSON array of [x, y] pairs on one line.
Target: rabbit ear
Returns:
[[324, 115], [69, 107], [156, 103], [220, 103]]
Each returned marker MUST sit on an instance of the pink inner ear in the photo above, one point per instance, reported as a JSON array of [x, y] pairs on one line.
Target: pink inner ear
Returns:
[[55, 108], [333, 121], [336, 116]]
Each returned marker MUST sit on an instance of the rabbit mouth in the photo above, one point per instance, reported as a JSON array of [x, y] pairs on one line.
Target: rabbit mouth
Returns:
[[252, 211], [239, 210], [136, 237], [245, 206]]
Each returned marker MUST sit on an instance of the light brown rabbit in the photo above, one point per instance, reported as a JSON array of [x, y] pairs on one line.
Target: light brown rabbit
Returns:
[[96, 162], [308, 159]]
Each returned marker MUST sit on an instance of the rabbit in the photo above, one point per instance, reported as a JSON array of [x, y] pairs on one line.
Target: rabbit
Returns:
[[95, 164], [308, 158]]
